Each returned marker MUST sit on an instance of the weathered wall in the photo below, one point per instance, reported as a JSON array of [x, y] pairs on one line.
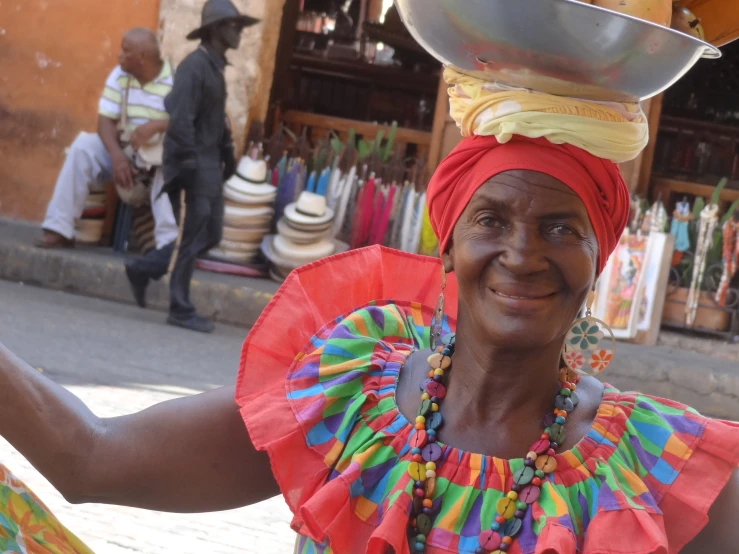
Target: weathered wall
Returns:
[[54, 58], [249, 77]]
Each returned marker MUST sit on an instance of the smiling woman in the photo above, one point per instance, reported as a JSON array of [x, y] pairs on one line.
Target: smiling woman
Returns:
[[383, 441]]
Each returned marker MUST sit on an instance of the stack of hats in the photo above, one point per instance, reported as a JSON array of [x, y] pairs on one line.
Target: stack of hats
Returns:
[[248, 212], [89, 228], [304, 236]]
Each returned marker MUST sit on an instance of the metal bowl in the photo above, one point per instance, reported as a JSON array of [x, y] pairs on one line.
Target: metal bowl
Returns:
[[562, 47]]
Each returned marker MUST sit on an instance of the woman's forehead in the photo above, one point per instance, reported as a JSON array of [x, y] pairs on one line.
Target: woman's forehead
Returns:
[[530, 187]]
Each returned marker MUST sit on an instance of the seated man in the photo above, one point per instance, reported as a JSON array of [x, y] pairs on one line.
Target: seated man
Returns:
[[141, 82]]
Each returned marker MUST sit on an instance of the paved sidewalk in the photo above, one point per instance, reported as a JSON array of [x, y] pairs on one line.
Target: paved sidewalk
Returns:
[[99, 272], [262, 528], [119, 359]]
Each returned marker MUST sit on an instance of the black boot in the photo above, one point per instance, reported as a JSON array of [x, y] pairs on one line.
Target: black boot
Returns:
[[192, 322], [138, 282]]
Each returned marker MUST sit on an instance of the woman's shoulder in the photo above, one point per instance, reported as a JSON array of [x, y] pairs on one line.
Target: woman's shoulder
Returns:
[[686, 460]]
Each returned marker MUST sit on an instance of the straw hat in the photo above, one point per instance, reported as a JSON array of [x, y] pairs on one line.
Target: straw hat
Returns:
[[303, 253], [244, 235], [240, 247], [242, 192], [310, 209], [232, 256], [299, 236]]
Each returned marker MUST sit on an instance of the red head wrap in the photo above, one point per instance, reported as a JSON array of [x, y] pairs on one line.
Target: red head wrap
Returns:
[[475, 160]]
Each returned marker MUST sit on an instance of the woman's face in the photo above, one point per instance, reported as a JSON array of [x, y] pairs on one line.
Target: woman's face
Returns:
[[525, 257]]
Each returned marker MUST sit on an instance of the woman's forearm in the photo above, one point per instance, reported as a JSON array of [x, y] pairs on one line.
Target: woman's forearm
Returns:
[[190, 454], [47, 424]]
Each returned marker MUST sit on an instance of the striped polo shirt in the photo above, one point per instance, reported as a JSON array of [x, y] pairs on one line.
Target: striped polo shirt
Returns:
[[144, 103]]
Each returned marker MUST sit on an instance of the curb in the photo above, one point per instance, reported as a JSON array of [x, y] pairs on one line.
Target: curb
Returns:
[[223, 298]]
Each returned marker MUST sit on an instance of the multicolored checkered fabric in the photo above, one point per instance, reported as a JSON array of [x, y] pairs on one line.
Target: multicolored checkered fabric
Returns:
[[342, 391]]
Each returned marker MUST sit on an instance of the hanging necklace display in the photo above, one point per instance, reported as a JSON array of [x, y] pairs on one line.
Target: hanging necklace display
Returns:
[[708, 223], [730, 250]]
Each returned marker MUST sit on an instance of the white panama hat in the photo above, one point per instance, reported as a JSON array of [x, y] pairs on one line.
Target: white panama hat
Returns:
[[252, 171], [310, 209], [299, 236], [238, 190], [244, 235]]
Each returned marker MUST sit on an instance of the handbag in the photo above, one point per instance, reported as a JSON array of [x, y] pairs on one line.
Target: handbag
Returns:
[[146, 160]]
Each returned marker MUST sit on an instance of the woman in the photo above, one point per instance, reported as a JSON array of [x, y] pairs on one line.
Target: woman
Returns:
[[381, 444]]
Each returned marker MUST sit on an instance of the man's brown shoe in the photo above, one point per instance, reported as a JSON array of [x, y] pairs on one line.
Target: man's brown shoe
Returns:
[[50, 239]]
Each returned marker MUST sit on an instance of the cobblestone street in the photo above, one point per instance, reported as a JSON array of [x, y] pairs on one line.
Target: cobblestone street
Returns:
[[118, 360]]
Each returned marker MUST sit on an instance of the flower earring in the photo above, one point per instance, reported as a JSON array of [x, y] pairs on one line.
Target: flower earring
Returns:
[[437, 321], [584, 350]]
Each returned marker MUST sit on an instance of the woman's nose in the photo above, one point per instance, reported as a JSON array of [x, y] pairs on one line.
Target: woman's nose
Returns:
[[524, 252]]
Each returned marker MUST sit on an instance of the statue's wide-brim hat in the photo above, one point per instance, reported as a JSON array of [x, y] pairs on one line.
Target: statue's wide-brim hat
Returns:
[[218, 11]]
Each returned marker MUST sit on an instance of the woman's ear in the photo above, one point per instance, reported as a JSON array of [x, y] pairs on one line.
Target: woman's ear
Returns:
[[447, 258]]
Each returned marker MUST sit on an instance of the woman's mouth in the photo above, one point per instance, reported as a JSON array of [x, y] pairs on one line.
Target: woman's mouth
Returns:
[[523, 296], [519, 301]]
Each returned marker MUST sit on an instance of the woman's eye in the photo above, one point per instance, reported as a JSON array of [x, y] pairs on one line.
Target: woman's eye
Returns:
[[562, 230], [489, 221]]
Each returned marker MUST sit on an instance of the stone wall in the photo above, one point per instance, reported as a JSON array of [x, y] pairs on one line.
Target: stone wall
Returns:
[[249, 77]]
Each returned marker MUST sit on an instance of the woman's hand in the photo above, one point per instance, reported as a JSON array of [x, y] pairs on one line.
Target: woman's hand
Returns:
[[187, 455]]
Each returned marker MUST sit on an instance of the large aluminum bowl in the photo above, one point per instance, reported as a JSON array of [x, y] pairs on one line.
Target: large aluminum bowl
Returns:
[[562, 47]]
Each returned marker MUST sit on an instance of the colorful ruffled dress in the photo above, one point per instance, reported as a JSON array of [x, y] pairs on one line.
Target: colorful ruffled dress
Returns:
[[317, 391], [29, 527]]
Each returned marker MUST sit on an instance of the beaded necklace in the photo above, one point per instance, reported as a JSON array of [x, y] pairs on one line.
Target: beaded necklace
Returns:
[[527, 481]]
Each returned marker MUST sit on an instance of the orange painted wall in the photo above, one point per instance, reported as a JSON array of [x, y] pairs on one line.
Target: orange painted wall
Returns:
[[54, 58]]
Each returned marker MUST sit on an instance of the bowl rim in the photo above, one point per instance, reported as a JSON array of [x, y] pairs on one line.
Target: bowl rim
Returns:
[[710, 51]]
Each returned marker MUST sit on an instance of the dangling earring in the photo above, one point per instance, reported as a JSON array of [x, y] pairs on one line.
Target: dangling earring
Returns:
[[583, 350], [437, 321]]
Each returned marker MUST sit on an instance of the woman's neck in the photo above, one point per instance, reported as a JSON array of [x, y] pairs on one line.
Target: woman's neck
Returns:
[[498, 396]]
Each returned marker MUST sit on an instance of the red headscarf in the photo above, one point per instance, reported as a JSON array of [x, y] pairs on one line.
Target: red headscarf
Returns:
[[596, 181]]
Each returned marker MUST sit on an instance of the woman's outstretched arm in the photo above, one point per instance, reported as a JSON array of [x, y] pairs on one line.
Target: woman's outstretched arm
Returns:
[[187, 455]]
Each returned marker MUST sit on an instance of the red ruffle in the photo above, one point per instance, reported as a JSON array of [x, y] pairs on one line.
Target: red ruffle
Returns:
[[310, 297]]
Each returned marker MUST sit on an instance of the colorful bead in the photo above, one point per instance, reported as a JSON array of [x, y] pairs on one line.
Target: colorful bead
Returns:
[[506, 507], [547, 464], [416, 471], [440, 372], [489, 539], [540, 474], [431, 452], [495, 526], [427, 503], [437, 389], [419, 493], [524, 475], [420, 419], [434, 407], [417, 458], [560, 420], [513, 495], [430, 486], [431, 466], [430, 474], [531, 493], [415, 451]]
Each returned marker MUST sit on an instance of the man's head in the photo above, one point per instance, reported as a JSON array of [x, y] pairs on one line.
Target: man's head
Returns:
[[226, 33], [139, 53]]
